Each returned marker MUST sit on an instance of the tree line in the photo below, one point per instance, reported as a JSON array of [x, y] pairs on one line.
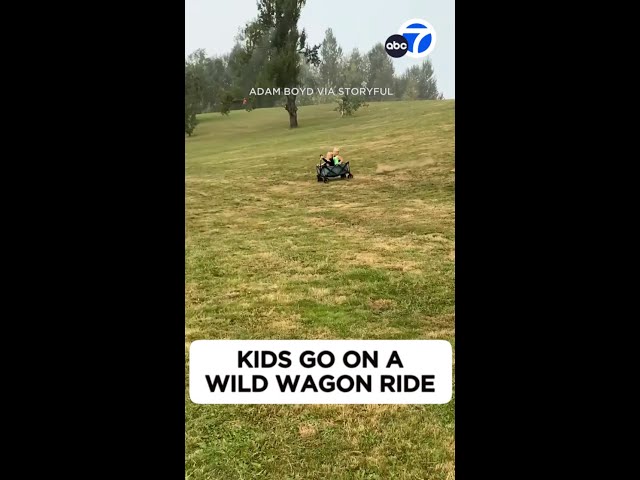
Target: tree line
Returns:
[[270, 52]]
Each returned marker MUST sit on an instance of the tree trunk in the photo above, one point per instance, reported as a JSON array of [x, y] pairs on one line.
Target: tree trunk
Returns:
[[293, 111]]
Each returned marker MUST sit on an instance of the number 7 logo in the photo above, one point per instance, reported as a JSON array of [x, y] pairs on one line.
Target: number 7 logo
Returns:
[[420, 36]]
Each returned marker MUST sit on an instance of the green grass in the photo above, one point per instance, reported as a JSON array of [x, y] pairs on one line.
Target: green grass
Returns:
[[265, 243]]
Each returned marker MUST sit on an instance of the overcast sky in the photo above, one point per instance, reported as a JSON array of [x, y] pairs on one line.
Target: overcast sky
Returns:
[[213, 24]]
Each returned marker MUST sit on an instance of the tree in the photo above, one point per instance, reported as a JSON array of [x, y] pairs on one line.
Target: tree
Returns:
[[331, 58], [193, 86], [411, 90], [310, 78], [197, 65], [226, 101], [419, 82], [248, 63], [348, 105], [427, 82], [190, 121], [353, 70], [380, 74], [399, 87], [351, 74], [218, 80], [288, 46]]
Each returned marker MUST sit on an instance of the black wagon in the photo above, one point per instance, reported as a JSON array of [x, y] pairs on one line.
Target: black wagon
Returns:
[[326, 170]]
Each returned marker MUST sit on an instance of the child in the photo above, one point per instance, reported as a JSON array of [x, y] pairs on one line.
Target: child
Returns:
[[327, 160], [335, 155], [332, 158]]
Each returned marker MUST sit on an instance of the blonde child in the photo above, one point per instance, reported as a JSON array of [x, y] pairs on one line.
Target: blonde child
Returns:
[[336, 156]]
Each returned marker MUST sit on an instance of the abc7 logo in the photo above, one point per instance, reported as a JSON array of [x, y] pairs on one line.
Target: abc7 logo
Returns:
[[415, 39]]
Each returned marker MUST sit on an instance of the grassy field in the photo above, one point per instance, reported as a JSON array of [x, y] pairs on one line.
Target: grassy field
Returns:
[[265, 243]]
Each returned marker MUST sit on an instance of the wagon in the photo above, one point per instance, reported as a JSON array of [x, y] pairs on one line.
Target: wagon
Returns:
[[325, 171]]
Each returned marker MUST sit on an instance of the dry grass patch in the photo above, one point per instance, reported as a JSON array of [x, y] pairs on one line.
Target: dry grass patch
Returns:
[[387, 168], [381, 304], [306, 431], [286, 325]]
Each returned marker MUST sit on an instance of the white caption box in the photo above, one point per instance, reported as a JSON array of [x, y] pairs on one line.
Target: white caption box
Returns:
[[223, 372]]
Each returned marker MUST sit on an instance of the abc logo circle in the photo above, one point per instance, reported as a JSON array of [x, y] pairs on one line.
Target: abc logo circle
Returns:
[[396, 46], [420, 37]]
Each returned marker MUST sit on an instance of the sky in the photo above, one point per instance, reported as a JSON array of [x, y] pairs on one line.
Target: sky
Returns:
[[213, 24]]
